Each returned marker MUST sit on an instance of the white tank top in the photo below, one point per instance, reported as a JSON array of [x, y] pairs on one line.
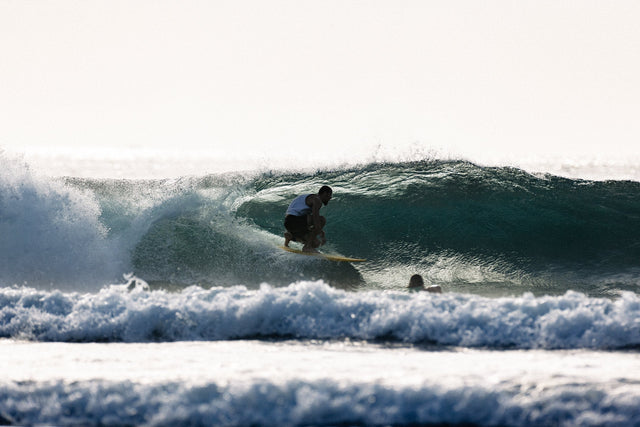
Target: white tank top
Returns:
[[298, 207]]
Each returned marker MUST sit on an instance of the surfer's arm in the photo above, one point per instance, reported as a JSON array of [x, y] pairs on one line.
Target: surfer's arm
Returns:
[[317, 221], [316, 203]]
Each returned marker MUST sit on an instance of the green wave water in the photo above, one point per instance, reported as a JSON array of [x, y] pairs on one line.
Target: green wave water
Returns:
[[468, 228]]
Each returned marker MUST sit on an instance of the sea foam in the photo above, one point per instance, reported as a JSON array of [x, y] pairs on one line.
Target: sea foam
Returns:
[[314, 310], [309, 403], [51, 233]]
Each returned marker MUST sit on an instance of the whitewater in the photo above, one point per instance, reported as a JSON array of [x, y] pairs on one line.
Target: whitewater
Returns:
[[167, 301]]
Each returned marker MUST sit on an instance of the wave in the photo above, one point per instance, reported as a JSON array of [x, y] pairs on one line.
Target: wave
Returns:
[[310, 403], [475, 228], [314, 310], [468, 228], [50, 232], [461, 207]]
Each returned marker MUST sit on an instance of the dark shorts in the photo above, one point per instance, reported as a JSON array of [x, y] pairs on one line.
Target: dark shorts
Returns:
[[297, 226]]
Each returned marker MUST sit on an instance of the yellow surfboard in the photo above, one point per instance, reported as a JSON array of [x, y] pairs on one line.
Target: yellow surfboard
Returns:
[[328, 257]]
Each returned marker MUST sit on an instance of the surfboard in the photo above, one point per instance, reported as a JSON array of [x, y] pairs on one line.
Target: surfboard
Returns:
[[328, 257]]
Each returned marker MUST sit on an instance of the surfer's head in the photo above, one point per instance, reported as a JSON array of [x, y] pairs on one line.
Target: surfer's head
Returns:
[[416, 281], [325, 194]]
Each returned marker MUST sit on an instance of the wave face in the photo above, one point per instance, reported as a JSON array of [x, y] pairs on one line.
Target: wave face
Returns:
[[485, 230], [468, 225], [314, 310]]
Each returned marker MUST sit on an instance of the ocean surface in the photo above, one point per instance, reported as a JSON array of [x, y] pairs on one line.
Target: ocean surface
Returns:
[[167, 301]]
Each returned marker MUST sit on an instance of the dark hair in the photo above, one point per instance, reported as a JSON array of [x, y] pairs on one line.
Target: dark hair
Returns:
[[416, 281], [325, 189]]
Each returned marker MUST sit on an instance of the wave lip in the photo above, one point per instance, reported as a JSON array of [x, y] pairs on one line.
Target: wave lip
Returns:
[[314, 310]]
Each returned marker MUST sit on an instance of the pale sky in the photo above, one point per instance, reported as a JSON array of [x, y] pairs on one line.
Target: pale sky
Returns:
[[511, 77]]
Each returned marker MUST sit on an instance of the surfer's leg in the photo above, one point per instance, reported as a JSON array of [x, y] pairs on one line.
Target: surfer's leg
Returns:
[[315, 238], [310, 242], [309, 247], [323, 222], [287, 238], [296, 229]]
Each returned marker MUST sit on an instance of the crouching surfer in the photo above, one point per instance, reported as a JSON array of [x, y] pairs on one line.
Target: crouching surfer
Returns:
[[303, 221]]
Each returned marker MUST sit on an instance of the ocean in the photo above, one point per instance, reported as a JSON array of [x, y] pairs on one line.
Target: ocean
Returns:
[[166, 301]]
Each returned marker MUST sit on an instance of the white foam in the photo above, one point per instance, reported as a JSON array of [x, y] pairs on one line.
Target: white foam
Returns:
[[51, 233], [143, 163], [314, 310], [305, 383]]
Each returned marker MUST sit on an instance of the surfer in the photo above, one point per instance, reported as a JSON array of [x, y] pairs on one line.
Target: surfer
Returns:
[[416, 283], [303, 221]]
